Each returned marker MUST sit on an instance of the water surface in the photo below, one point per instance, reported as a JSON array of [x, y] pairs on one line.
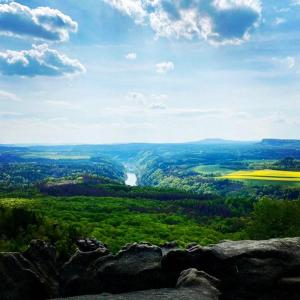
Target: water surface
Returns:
[[131, 179]]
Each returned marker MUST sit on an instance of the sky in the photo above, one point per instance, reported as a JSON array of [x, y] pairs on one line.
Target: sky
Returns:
[[119, 71]]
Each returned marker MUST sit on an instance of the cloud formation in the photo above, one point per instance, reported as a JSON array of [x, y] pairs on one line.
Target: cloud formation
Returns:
[[137, 98], [288, 62], [40, 23], [217, 21], [164, 67], [131, 56], [157, 106], [38, 61], [8, 96]]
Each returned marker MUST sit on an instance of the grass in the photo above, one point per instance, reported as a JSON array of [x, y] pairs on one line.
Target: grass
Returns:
[[265, 175], [212, 169]]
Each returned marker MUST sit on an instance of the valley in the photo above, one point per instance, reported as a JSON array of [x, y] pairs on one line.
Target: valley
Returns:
[[190, 193]]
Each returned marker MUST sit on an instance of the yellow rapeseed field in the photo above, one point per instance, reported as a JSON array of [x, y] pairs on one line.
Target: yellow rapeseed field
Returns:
[[270, 175]]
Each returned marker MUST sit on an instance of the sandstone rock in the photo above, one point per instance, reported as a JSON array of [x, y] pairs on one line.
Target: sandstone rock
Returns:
[[155, 294], [31, 275], [43, 257], [167, 247], [179, 259], [74, 274], [262, 270], [206, 284], [136, 267], [247, 269], [192, 285], [88, 245]]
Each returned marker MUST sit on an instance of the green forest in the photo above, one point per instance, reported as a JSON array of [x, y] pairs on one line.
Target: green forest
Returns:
[[63, 193]]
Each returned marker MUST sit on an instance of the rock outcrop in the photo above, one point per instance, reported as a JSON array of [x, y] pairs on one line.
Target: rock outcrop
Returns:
[[30, 275], [75, 278], [262, 270], [191, 285]]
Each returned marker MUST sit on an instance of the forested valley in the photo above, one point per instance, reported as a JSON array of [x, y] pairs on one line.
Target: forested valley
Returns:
[[192, 192]]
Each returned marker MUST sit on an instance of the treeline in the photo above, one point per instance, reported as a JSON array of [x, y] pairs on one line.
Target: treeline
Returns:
[[119, 222], [29, 172], [18, 226], [118, 190]]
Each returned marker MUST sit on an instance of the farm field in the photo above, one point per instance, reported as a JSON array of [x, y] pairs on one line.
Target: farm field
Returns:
[[265, 175], [212, 169]]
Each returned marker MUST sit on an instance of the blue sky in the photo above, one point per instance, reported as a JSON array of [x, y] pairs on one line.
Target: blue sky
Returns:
[[111, 71]]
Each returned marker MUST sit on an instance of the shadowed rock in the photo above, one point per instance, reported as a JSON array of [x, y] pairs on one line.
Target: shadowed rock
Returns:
[[74, 274], [263, 270], [135, 267], [247, 269], [192, 285], [31, 275], [206, 284], [88, 245]]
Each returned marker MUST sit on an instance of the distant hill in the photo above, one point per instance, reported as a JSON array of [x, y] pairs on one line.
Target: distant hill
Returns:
[[218, 141], [281, 143]]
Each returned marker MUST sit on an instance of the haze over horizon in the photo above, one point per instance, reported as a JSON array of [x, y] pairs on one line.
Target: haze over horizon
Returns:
[[120, 71], [202, 141]]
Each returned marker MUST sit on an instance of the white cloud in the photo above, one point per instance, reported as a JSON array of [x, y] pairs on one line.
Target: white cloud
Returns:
[[159, 97], [136, 98], [282, 9], [10, 115], [144, 102], [157, 106], [217, 21], [164, 67], [290, 62], [40, 23], [133, 8], [195, 112], [295, 2], [279, 21], [38, 61], [63, 104], [9, 96], [131, 56], [287, 62]]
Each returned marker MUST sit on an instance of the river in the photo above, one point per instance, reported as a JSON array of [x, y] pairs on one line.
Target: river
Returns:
[[131, 179]]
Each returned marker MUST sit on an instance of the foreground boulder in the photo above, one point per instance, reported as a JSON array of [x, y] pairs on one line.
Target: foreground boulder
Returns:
[[135, 267], [246, 269], [241, 270], [192, 285], [31, 275], [155, 294], [75, 278], [192, 278]]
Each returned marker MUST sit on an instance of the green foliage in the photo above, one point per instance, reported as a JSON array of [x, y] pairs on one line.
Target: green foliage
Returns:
[[21, 172], [19, 225], [275, 218], [180, 197], [114, 221]]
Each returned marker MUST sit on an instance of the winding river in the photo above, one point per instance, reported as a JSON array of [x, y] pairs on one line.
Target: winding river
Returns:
[[131, 179]]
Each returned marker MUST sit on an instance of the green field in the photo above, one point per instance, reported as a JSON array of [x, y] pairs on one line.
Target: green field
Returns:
[[265, 175], [212, 169]]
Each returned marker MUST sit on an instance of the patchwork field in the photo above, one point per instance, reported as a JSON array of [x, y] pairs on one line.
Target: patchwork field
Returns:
[[265, 175], [212, 169]]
